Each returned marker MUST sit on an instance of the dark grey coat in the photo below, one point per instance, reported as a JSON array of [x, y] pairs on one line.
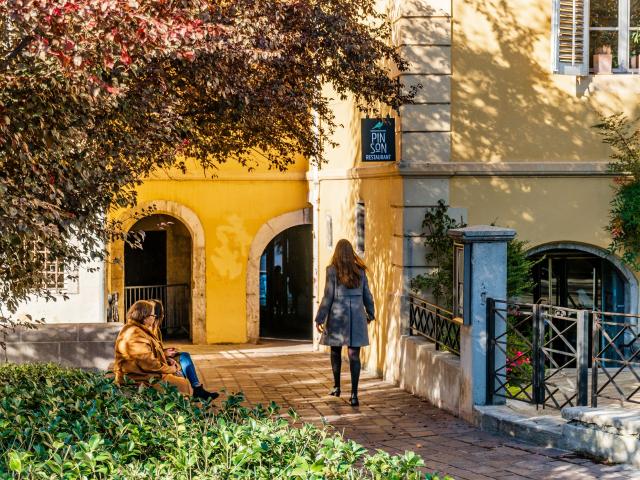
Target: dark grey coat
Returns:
[[344, 312]]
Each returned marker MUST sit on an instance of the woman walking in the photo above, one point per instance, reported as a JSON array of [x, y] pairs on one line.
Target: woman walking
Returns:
[[344, 314]]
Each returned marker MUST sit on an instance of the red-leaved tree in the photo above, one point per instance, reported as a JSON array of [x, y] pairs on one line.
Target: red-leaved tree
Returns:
[[95, 94]]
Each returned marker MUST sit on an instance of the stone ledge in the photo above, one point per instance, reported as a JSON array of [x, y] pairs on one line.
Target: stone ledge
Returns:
[[544, 430], [616, 420], [601, 433], [82, 345], [430, 373]]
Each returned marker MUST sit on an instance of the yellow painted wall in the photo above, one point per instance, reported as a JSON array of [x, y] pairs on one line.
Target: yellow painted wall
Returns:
[[338, 198], [506, 103], [231, 208], [343, 183], [542, 210]]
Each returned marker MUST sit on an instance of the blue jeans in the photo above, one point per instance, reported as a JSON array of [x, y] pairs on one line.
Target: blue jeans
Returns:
[[188, 368]]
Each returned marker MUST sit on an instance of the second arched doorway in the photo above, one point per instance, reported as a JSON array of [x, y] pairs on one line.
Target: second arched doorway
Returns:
[[160, 268], [286, 285]]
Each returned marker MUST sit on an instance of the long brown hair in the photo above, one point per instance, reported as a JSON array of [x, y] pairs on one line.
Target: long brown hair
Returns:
[[348, 265]]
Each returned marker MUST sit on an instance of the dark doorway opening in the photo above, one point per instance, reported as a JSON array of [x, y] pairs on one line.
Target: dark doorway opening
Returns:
[[161, 270], [286, 285], [147, 265]]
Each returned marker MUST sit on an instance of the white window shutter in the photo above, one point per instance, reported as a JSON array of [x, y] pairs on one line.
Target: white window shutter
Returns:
[[570, 37]]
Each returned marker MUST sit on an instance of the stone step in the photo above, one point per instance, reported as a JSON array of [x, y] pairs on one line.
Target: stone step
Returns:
[[543, 430]]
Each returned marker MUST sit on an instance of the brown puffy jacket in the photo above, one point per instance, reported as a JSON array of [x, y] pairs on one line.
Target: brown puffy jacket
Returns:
[[139, 356]]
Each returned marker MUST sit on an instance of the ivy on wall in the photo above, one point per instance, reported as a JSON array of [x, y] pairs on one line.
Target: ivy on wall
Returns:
[[439, 246], [623, 136]]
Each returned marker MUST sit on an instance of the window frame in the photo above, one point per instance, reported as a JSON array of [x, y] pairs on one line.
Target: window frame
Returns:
[[624, 38], [360, 227], [69, 273]]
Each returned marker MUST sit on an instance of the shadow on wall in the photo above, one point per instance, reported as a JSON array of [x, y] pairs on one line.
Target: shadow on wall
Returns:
[[74, 345], [507, 105]]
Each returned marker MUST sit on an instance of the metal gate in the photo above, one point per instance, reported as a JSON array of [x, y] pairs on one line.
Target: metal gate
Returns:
[[538, 354], [557, 357], [176, 301]]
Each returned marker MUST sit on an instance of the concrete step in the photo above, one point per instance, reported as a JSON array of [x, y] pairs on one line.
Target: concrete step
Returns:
[[543, 430]]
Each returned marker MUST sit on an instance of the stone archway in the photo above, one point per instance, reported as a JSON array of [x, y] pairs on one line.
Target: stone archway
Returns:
[[198, 259], [631, 282], [265, 234]]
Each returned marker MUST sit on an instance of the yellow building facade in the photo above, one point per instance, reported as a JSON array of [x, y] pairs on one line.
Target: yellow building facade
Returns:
[[495, 132]]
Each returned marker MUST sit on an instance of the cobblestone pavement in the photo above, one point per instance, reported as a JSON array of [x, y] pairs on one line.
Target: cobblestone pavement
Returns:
[[388, 418]]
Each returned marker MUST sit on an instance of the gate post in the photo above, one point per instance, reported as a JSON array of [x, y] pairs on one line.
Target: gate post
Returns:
[[582, 358], [491, 349], [538, 355], [485, 277]]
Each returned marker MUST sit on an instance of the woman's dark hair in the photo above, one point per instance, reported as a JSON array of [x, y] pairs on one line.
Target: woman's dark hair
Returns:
[[348, 265], [158, 309]]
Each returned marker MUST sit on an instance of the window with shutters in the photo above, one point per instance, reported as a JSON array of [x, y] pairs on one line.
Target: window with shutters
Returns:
[[612, 24]]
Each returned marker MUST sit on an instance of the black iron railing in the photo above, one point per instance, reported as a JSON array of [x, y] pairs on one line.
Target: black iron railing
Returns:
[[542, 354], [615, 370], [512, 366], [435, 323], [538, 354], [176, 301]]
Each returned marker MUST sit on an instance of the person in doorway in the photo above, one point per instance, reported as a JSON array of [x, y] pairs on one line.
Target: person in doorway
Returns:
[[345, 311], [278, 291], [183, 359]]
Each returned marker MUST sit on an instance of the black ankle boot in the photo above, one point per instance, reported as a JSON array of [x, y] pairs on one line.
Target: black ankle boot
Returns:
[[335, 392], [354, 400], [201, 393]]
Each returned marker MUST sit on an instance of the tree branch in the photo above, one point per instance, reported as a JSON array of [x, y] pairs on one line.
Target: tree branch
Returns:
[[24, 43]]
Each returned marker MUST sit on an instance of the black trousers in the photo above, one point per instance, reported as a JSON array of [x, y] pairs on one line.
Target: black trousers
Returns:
[[354, 366]]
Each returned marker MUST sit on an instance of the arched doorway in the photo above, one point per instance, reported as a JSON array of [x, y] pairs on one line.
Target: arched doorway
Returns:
[[286, 285], [261, 241], [161, 270], [583, 277]]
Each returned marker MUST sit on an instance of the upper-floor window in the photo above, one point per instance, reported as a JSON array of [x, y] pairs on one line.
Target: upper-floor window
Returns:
[[613, 26]]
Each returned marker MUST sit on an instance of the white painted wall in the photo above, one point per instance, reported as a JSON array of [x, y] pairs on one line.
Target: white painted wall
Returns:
[[86, 302]]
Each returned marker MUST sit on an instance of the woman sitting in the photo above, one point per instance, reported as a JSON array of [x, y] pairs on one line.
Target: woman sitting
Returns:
[[139, 353], [183, 358]]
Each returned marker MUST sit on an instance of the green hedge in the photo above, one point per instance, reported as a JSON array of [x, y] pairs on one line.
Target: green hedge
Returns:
[[65, 423]]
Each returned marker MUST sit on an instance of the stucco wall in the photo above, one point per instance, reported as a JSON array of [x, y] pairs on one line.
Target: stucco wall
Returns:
[[507, 105], [85, 302], [231, 209], [383, 254], [541, 210]]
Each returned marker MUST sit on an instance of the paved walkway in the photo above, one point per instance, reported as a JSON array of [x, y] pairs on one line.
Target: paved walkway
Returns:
[[388, 418]]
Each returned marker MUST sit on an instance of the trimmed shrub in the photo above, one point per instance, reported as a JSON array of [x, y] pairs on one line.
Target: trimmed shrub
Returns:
[[57, 422]]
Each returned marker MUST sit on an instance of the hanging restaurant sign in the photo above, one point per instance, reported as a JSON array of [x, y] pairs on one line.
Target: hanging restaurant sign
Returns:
[[378, 139]]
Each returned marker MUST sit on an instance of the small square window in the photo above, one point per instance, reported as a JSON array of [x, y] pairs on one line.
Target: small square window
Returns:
[[329, 227], [56, 275], [360, 224]]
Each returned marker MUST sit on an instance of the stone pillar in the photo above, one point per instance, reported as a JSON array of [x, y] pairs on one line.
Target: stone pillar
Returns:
[[485, 278]]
